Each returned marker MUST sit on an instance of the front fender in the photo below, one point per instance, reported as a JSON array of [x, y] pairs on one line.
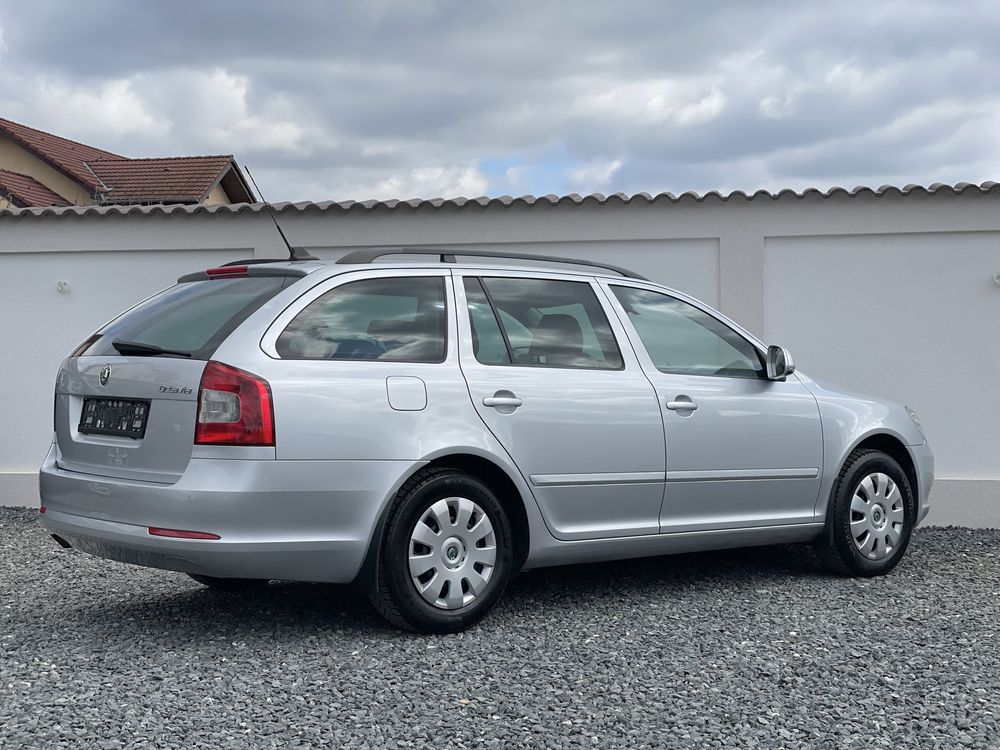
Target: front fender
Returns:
[[848, 420]]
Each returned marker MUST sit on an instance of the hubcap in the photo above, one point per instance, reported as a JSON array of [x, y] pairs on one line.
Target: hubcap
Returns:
[[452, 553], [877, 516]]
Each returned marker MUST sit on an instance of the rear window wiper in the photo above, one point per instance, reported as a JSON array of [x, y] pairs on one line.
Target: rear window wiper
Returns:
[[138, 349]]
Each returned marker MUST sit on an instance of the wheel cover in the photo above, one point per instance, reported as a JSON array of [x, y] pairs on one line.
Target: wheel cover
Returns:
[[878, 516], [452, 553]]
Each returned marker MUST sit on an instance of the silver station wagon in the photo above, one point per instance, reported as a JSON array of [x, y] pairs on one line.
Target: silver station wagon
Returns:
[[426, 428]]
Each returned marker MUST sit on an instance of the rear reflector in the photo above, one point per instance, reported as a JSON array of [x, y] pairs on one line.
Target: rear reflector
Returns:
[[41, 509], [227, 271], [179, 534], [234, 408]]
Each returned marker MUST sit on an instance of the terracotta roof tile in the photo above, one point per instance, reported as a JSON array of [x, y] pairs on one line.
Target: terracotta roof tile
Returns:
[[179, 179], [69, 156], [27, 192]]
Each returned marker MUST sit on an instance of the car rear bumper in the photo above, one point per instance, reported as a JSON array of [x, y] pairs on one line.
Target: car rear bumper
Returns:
[[289, 520]]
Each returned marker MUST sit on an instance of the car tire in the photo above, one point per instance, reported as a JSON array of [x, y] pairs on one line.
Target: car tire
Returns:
[[871, 516], [446, 553], [228, 584]]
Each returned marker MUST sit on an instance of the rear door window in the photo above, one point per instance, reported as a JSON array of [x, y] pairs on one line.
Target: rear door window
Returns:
[[397, 319], [194, 317], [551, 323]]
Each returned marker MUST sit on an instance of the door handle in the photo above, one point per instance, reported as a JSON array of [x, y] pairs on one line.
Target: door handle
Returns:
[[682, 405], [507, 401]]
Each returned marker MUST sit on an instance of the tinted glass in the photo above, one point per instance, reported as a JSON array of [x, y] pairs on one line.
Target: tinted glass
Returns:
[[554, 323], [681, 338], [487, 340], [192, 317], [393, 319]]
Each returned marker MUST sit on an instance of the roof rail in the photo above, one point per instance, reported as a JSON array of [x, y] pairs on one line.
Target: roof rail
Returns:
[[449, 256]]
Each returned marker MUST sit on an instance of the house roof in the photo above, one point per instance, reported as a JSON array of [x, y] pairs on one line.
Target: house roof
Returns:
[[65, 155], [178, 179], [506, 201], [114, 178], [26, 191]]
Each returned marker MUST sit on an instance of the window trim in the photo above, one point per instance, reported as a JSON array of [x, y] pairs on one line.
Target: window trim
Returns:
[[646, 361], [589, 281], [496, 316], [281, 321]]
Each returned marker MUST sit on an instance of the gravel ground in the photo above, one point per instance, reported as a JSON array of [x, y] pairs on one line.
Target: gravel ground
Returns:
[[751, 648]]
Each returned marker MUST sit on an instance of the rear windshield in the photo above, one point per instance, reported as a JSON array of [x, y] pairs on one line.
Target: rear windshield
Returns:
[[193, 317]]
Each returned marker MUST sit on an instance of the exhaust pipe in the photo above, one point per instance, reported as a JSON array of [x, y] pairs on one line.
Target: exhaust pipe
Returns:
[[62, 542]]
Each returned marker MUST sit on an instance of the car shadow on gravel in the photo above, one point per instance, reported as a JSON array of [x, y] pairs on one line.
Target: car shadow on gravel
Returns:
[[302, 608]]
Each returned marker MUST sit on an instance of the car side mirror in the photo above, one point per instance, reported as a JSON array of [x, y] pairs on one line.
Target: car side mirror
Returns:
[[779, 363]]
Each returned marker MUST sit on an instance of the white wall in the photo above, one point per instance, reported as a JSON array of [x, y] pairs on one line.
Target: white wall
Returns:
[[911, 317], [914, 318], [40, 325], [889, 295]]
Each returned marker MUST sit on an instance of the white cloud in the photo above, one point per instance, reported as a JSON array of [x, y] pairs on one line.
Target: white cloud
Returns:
[[413, 102], [222, 111], [101, 113], [430, 182], [663, 100], [777, 108], [590, 177]]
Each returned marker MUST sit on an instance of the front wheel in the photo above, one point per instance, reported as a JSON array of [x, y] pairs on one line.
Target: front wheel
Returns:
[[871, 516], [446, 555]]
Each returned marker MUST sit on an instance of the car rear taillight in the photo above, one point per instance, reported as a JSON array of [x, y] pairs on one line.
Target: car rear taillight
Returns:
[[234, 408]]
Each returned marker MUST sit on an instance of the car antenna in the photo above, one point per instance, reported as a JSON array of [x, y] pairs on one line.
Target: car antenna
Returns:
[[294, 253]]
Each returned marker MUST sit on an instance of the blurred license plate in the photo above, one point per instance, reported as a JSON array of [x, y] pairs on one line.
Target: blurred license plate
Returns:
[[125, 417]]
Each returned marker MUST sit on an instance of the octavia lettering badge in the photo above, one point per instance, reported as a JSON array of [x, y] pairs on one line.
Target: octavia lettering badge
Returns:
[[105, 374]]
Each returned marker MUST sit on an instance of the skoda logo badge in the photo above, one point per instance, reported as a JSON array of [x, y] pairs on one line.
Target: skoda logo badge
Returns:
[[105, 374]]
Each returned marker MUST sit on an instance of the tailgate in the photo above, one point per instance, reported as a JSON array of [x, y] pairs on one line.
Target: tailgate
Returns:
[[127, 417]]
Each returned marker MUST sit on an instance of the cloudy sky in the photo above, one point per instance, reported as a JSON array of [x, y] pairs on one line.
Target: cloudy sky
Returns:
[[424, 99]]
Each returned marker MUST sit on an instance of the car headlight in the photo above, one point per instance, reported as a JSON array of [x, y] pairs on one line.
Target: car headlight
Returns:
[[916, 420]]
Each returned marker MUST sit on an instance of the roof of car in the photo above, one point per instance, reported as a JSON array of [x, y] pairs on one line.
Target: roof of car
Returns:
[[332, 267]]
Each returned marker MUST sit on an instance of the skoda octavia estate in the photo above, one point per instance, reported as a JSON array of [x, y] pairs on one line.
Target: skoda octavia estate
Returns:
[[427, 429]]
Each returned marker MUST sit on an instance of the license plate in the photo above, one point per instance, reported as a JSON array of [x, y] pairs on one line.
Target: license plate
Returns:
[[124, 417]]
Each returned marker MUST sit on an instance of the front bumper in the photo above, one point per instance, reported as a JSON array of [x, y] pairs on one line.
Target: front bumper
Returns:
[[288, 520], [923, 460]]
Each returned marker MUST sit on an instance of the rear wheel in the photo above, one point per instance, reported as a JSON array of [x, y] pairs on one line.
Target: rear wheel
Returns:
[[229, 584], [871, 516], [446, 555]]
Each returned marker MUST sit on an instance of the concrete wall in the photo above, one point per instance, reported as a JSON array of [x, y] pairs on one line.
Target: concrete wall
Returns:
[[891, 295]]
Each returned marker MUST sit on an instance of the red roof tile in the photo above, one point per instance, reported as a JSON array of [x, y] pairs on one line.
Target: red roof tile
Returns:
[[178, 179], [118, 179], [27, 192], [66, 155]]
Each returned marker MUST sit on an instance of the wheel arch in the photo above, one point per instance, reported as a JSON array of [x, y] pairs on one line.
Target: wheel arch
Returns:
[[893, 446], [484, 469]]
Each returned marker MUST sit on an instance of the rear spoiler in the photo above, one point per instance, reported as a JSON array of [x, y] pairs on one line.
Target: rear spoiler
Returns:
[[240, 271]]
